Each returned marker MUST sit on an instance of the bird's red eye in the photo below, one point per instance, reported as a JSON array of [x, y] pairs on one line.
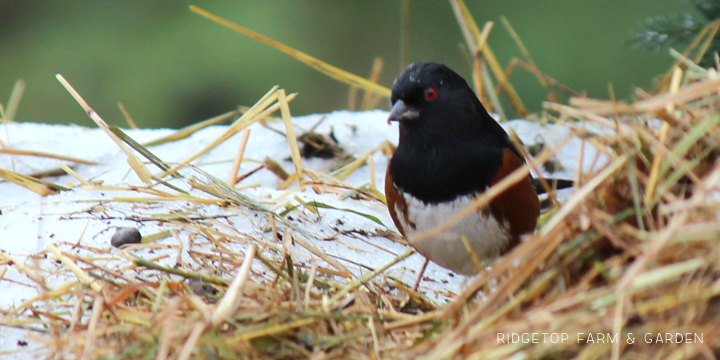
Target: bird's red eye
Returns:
[[430, 94]]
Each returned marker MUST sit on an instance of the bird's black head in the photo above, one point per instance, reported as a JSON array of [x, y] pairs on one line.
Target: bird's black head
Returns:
[[434, 103], [449, 145]]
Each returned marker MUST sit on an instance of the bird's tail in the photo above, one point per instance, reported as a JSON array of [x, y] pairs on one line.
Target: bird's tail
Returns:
[[556, 184]]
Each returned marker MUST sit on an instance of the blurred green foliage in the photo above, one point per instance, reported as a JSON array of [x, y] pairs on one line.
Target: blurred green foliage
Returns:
[[170, 67], [679, 30]]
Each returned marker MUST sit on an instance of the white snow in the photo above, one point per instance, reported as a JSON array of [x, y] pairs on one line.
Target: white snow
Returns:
[[86, 216]]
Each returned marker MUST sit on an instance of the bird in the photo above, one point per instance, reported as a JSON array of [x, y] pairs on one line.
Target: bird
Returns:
[[450, 150]]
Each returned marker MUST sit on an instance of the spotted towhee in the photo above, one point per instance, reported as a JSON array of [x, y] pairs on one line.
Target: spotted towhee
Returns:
[[450, 151]]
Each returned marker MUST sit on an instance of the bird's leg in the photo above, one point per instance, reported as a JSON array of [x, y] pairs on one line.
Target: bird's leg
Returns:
[[417, 283]]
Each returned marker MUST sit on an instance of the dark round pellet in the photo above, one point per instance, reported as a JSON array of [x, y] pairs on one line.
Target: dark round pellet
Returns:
[[126, 235]]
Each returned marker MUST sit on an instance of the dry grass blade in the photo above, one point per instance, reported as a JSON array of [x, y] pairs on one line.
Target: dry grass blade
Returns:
[[315, 204], [491, 93], [658, 276], [238, 158], [679, 151], [370, 99], [20, 266], [220, 189], [138, 167], [84, 278], [72, 173], [514, 62], [40, 187], [46, 155], [352, 98], [472, 35], [189, 130], [276, 169], [192, 340], [469, 28], [371, 167], [334, 263], [662, 84], [347, 170], [505, 85], [139, 148], [98, 307], [290, 133], [272, 330], [327, 69], [229, 303], [655, 170], [14, 101], [691, 92], [257, 112], [369, 275], [128, 118], [529, 59], [479, 72], [712, 31], [583, 193]]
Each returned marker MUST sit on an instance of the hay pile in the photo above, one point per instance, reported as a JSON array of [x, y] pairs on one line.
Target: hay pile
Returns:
[[626, 267]]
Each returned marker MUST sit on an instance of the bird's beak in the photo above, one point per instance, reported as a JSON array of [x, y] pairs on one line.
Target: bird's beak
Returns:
[[402, 112]]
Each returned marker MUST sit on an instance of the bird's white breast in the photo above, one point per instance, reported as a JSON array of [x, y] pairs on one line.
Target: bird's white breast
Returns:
[[486, 236]]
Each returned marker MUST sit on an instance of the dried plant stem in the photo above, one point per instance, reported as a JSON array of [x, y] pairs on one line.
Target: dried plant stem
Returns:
[[192, 340], [47, 155], [583, 193], [84, 278], [292, 140], [127, 116], [14, 101], [369, 275], [229, 303], [310, 282], [255, 113], [472, 35], [688, 93], [327, 69], [665, 127], [72, 173], [98, 307], [527, 56], [238, 159], [368, 99], [138, 167], [478, 63]]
